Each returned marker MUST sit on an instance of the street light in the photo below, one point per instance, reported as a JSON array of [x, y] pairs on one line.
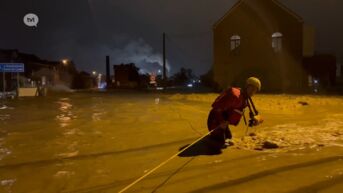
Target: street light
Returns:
[[65, 61], [94, 73]]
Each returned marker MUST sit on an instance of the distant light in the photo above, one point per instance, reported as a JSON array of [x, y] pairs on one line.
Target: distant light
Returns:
[[102, 85], [190, 85], [65, 61], [194, 81], [94, 72], [159, 71], [199, 81], [315, 81], [157, 101], [159, 88]]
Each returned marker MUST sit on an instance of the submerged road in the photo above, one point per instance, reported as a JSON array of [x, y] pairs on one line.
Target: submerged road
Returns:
[[101, 142]]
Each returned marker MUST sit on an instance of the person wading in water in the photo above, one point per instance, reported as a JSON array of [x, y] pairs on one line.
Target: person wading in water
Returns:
[[228, 108]]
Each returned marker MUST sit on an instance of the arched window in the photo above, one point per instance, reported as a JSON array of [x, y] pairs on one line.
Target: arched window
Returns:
[[235, 41], [277, 41]]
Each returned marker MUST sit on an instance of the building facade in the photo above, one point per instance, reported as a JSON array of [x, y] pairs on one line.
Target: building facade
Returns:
[[126, 76], [37, 71], [265, 39]]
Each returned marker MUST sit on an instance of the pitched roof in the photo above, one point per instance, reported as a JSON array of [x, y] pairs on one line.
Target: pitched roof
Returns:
[[294, 14], [239, 2]]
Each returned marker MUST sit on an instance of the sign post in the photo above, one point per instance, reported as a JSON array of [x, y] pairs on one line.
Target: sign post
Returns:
[[3, 84], [18, 86], [10, 67]]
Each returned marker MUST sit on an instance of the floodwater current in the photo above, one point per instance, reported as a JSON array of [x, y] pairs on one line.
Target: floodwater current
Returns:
[[100, 142]]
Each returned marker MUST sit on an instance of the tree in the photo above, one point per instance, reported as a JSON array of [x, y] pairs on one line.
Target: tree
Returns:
[[183, 77], [208, 80]]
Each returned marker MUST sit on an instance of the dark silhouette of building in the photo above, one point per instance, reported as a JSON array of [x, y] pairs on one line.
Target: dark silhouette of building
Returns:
[[83, 80], [126, 76], [321, 69], [55, 72]]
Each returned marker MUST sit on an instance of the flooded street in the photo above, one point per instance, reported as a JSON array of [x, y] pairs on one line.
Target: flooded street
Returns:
[[101, 142]]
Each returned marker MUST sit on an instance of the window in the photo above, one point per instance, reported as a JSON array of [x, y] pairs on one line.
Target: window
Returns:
[[277, 41], [235, 41]]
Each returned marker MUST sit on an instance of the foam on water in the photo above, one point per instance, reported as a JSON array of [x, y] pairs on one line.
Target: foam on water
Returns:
[[294, 136]]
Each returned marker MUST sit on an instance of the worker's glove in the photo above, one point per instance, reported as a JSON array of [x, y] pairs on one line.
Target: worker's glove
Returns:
[[257, 120]]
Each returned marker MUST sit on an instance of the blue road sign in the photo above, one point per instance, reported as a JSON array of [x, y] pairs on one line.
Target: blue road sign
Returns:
[[12, 67]]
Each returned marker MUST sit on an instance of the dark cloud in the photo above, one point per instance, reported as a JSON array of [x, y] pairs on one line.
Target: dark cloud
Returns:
[[326, 17], [131, 30]]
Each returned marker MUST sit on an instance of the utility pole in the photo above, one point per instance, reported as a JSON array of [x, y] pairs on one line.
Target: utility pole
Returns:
[[108, 72], [164, 60]]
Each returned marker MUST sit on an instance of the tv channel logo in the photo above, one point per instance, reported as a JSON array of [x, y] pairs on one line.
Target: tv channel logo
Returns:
[[31, 20]]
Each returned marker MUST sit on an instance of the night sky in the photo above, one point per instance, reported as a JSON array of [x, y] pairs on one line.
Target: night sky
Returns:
[[131, 30]]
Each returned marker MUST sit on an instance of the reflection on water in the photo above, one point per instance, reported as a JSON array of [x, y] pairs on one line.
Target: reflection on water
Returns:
[[3, 107], [96, 116], [4, 117], [71, 150], [4, 152], [36, 132], [66, 114], [98, 110], [64, 174], [7, 184]]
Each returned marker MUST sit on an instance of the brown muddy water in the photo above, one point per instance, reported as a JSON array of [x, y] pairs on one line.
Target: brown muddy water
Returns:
[[101, 142]]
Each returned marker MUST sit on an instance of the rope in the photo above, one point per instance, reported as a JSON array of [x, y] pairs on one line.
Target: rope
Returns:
[[163, 163]]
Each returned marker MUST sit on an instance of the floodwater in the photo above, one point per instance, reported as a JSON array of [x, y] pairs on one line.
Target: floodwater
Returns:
[[101, 142]]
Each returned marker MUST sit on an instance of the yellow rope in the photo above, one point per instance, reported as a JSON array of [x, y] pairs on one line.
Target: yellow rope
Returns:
[[163, 163]]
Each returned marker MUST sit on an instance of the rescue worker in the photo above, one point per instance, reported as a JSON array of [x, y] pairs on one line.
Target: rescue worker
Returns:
[[228, 108]]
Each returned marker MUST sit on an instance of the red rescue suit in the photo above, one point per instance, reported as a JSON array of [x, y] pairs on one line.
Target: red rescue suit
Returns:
[[227, 107]]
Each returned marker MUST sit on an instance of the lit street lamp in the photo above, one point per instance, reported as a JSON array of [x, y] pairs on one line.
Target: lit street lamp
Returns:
[[65, 62]]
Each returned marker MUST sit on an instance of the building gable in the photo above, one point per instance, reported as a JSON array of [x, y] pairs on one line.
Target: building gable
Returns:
[[295, 15], [239, 3]]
